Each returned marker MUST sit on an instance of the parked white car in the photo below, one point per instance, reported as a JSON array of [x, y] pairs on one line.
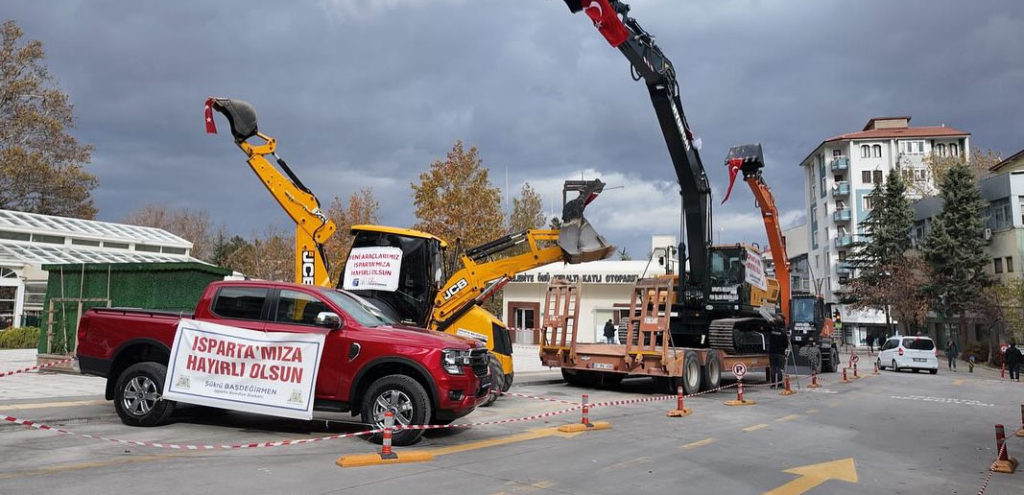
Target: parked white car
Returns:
[[909, 353]]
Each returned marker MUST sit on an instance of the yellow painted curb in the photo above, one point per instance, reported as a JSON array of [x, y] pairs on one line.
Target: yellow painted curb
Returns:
[[679, 413], [360, 460], [813, 385], [580, 427], [1007, 467], [744, 402], [1020, 432], [788, 392]]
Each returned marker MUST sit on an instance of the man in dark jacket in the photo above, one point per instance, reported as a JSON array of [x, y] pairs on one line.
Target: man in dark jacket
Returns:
[[1013, 359], [778, 343], [609, 332]]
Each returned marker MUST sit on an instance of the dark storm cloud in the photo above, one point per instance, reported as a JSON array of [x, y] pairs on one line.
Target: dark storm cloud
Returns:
[[368, 93]]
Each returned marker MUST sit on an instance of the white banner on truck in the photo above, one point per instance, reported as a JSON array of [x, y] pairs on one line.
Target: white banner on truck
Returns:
[[755, 270], [373, 268], [244, 370]]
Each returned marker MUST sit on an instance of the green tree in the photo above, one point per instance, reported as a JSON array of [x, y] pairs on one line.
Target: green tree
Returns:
[[224, 248], [527, 210], [455, 200], [40, 162], [881, 250], [361, 208], [556, 223], [955, 247], [624, 255]]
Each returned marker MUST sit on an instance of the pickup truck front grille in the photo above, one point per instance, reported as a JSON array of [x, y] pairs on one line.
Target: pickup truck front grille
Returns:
[[479, 362]]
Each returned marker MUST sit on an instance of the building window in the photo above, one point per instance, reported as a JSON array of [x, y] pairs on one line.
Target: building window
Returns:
[[865, 151], [147, 249], [954, 150], [877, 176], [817, 261], [115, 245], [998, 262], [173, 250], [821, 174], [876, 151], [912, 147], [940, 149], [47, 239], [1009, 264], [15, 236], [842, 255], [867, 204], [813, 189], [865, 177], [998, 215], [84, 242]]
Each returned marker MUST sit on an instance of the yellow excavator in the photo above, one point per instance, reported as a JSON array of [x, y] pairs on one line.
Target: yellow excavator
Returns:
[[402, 272]]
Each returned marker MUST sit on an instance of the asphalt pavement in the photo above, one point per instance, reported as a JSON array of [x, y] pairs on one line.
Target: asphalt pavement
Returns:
[[898, 433]]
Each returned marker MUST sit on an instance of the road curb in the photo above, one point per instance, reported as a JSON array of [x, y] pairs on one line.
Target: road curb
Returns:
[[74, 420]]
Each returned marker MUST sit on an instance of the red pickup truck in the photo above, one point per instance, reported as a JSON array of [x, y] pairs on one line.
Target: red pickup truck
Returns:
[[370, 363]]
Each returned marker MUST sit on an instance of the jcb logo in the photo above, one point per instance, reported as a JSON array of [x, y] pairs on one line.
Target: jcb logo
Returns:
[[308, 268], [461, 284]]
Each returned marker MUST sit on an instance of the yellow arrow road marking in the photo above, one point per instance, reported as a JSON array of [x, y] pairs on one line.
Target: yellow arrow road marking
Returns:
[[791, 417], [700, 443], [816, 474], [755, 427], [959, 381]]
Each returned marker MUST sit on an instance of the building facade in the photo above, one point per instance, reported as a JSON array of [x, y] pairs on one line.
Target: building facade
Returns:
[[606, 288], [28, 241], [839, 175]]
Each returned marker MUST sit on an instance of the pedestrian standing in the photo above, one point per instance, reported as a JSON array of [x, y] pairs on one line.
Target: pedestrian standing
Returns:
[[952, 349], [871, 344], [778, 343], [1013, 360], [609, 332]]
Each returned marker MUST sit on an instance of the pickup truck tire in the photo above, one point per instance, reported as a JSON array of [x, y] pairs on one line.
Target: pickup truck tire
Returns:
[[137, 395], [406, 397], [497, 381]]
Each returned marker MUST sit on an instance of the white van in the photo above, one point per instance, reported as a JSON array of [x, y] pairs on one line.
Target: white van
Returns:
[[912, 353]]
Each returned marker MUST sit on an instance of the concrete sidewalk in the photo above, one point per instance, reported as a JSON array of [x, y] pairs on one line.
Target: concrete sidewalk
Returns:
[[40, 384]]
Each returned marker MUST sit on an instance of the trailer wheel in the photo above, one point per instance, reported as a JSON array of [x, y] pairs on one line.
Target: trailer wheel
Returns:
[[833, 361], [712, 376], [691, 373]]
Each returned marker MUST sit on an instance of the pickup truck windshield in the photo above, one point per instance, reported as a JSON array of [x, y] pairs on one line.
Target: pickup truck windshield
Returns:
[[367, 305], [354, 308]]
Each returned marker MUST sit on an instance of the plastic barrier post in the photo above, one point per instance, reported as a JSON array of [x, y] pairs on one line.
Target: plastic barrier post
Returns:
[[855, 371], [845, 380], [1004, 463], [585, 424], [679, 411], [386, 455], [1020, 432], [787, 390], [385, 446], [740, 401], [1002, 370], [876, 369], [814, 380]]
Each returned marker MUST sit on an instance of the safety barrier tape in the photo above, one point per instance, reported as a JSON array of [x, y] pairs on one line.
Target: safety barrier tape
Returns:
[[159, 445], [525, 396], [991, 471], [37, 367]]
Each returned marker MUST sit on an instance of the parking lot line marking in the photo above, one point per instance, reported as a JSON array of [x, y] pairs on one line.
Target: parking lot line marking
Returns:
[[86, 465], [755, 427], [959, 381], [624, 464], [791, 417], [45, 405], [699, 443], [813, 411], [494, 442], [540, 485]]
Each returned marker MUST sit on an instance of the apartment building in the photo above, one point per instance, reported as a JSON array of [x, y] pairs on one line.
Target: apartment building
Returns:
[[839, 175]]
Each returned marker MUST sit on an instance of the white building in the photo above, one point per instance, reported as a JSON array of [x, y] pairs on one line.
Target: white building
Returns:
[[28, 241], [839, 175], [605, 292]]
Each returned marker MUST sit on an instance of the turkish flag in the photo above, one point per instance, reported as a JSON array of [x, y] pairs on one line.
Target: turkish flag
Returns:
[[211, 127], [606, 21], [734, 169]]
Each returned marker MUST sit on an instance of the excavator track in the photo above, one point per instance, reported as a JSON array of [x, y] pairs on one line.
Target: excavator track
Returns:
[[724, 334]]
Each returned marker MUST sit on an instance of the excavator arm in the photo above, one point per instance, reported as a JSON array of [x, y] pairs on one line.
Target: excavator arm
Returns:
[[312, 227], [749, 159], [649, 63]]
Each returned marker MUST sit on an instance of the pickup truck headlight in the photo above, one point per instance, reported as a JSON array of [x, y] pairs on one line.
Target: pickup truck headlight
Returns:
[[453, 360]]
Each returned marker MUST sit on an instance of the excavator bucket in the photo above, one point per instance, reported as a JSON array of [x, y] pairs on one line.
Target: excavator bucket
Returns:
[[240, 114], [577, 238]]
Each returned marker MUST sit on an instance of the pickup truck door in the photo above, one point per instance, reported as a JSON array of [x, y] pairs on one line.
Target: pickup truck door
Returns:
[[295, 311], [242, 307]]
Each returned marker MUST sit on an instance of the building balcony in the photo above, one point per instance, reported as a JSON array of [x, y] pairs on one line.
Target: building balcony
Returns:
[[840, 164], [841, 189], [841, 215], [843, 240], [844, 267]]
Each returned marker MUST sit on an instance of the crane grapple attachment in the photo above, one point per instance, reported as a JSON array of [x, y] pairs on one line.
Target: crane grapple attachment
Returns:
[[240, 114], [579, 241]]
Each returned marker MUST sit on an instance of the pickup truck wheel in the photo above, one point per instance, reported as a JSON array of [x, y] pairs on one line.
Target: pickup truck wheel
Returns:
[[406, 398], [497, 381], [137, 397]]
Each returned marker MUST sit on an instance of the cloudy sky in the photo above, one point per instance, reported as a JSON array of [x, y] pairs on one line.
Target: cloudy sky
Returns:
[[366, 93]]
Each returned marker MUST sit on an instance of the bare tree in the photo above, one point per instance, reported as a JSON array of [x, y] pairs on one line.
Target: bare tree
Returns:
[[192, 225]]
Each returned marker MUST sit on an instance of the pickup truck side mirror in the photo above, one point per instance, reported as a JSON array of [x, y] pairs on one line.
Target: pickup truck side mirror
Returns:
[[328, 319]]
